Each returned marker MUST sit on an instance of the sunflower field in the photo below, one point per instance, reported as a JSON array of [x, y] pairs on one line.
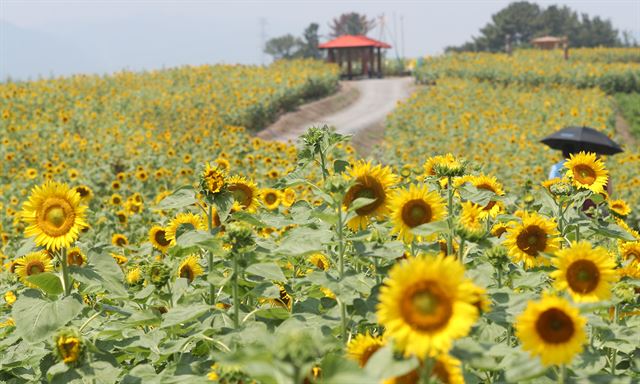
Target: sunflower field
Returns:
[[148, 238]]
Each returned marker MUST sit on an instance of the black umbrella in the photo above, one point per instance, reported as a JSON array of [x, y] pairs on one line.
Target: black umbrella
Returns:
[[576, 139]]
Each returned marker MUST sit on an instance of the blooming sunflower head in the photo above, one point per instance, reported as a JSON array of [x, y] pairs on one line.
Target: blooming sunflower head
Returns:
[[190, 268], [54, 215], [245, 192], [158, 238], [370, 182], [630, 250], [619, 208], [472, 221], [413, 207], [76, 257], [552, 329], [69, 347], [182, 223], [425, 304], [491, 184], [586, 272], [271, 198], [587, 172], [32, 264], [362, 347], [119, 240], [85, 192], [320, 261], [527, 240]]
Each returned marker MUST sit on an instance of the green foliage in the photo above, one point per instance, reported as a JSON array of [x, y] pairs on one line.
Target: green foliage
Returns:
[[629, 106]]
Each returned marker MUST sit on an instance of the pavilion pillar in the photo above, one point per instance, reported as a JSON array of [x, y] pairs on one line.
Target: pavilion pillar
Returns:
[[365, 60], [379, 62], [349, 74], [331, 56], [371, 58]]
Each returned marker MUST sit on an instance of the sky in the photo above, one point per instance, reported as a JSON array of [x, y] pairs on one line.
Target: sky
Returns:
[[53, 37]]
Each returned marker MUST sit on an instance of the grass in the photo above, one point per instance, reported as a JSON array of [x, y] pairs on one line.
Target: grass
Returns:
[[629, 104]]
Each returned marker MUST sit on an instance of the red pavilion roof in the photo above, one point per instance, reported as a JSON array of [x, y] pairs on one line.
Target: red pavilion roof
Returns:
[[353, 41]]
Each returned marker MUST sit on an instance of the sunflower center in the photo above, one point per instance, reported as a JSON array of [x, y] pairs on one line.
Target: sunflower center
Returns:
[[75, 258], [368, 188], [583, 276], [242, 194], [426, 306], [187, 273], [34, 268], [532, 240], [584, 174], [270, 198], [55, 216], [555, 326], [367, 353], [161, 239], [416, 212]]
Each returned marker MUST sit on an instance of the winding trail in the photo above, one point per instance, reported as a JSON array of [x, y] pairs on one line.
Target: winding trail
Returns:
[[359, 109]]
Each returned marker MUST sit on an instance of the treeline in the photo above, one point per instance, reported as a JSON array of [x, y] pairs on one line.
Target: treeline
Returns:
[[520, 22]]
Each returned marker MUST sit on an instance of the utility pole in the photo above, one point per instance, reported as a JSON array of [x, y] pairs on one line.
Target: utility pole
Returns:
[[263, 38], [402, 34]]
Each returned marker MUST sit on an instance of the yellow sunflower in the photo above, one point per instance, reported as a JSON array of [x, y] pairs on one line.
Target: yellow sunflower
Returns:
[[54, 215], [190, 268], [284, 301], [115, 199], [619, 208], [447, 369], [627, 228], [552, 329], [489, 183], [288, 197], [69, 348], [586, 272], [134, 276], [181, 223], [32, 264], [471, 217], [442, 164], [587, 172], [527, 240], [413, 207], [271, 198], [245, 192], [85, 192], [499, 229], [158, 238], [212, 179], [119, 240], [320, 261], [425, 304], [362, 347], [76, 257], [630, 250], [371, 182]]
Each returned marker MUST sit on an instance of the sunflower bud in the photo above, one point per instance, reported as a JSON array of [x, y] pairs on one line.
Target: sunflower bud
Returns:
[[212, 181], [239, 235], [69, 347], [159, 274]]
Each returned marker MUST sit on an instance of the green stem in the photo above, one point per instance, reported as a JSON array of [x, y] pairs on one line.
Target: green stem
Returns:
[[426, 369], [212, 290], [235, 293], [343, 321], [323, 165], [562, 374], [577, 232], [450, 216], [499, 276], [614, 352], [560, 223], [66, 279], [343, 307], [461, 251]]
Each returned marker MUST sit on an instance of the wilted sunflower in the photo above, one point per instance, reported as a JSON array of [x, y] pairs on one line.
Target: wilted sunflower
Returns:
[[447, 369], [413, 207], [212, 180], [158, 238], [619, 208], [371, 182], [586, 272], [69, 346], [425, 304], [362, 347], [190, 268], [119, 240], [527, 241], [552, 329], [32, 264], [270, 198], [245, 192], [76, 257], [181, 223], [54, 215], [587, 172]]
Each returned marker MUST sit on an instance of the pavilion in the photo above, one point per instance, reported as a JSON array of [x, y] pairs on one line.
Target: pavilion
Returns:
[[549, 42], [356, 49]]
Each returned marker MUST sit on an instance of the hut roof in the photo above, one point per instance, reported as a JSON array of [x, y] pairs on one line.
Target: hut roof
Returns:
[[548, 39], [353, 41]]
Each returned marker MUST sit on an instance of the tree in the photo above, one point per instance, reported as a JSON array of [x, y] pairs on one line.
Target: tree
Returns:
[[523, 21], [351, 24], [283, 47], [309, 45]]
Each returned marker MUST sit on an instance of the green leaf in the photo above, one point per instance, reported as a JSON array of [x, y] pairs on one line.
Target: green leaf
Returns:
[[180, 198], [340, 166], [275, 313], [270, 271], [478, 196], [50, 283], [382, 364], [37, 318], [304, 240], [223, 202], [360, 202], [430, 228], [183, 315], [519, 367]]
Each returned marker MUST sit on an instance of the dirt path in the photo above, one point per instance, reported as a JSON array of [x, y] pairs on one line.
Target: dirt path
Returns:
[[359, 109], [624, 131]]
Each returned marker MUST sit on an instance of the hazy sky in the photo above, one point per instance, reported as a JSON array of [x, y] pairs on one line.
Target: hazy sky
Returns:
[[62, 37]]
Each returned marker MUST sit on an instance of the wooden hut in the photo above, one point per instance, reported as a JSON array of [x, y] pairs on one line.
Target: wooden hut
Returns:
[[548, 42], [356, 49]]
